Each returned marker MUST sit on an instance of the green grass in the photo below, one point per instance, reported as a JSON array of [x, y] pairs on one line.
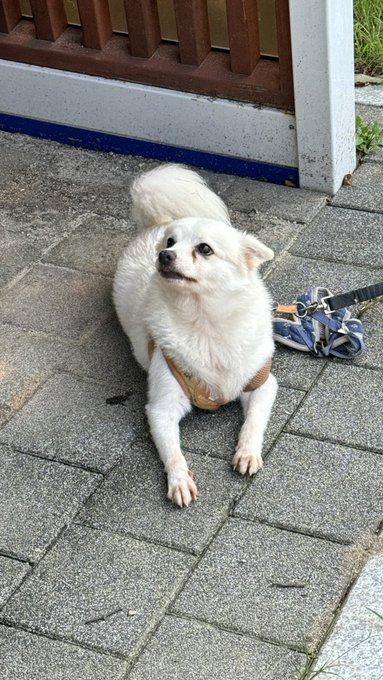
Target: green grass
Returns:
[[380, 616], [310, 674], [369, 36], [369, 136]]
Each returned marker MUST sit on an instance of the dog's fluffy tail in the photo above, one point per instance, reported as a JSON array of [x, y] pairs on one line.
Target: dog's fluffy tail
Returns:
[[171, 192]]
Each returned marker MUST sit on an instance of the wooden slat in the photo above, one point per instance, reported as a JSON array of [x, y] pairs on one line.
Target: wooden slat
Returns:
[[10, 15], [213, 77], [192, 30], [143, 27], [95, 22], [49, 18], [284, 49], [243, 26]]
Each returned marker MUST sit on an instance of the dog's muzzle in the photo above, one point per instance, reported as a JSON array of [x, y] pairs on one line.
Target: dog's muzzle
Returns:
[[166, 260]]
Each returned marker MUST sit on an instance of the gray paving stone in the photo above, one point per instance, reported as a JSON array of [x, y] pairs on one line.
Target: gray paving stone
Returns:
[[189, 649], [27, 359], [100, 589], [376, 157], [47, 225], [5, 415], [370, 95], [111, 195], [239, 584], [90, 181], [318, 488], [8, 273], [216, 433], [104, 200], [43, 173], [25, 238], [366, 192], [295, 369], [93, 169], [354, 650], [18, 154], [69, 420], [273, 231], [217, 181], [294, 205], [370, 113], [343, 236], [94, 247], [56, 301], [11, 575], [293, 275], [28, 192], [37, 498], [372, 319], [24, 656], [344, 406], [46, 193], [133, 499], [23, 153], [106, 355]]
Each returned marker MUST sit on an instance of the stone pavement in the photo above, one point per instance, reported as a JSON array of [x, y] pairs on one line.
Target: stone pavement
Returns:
[[355, 647], [100, 577]]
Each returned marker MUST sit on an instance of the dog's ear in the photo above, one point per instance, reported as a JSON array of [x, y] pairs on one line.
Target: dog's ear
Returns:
[[255, 251]]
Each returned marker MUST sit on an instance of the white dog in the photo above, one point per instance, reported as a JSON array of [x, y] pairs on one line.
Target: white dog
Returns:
[[189, 282]]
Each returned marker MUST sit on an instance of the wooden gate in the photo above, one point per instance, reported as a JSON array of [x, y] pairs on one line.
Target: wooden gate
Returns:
[[190, 65]]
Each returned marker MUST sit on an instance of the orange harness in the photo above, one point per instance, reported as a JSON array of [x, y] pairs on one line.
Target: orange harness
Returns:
[[200, 395]]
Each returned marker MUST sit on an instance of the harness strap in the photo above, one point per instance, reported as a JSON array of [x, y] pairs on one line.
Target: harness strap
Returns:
[[198, 394], [259, 378]]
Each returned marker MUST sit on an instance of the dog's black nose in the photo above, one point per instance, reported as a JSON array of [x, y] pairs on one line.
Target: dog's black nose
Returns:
[[166, 257]]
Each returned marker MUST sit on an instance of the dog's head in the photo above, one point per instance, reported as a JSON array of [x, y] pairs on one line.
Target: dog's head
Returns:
[[200, 255]]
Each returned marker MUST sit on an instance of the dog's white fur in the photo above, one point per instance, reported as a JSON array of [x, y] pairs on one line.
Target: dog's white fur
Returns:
[[216, 324]]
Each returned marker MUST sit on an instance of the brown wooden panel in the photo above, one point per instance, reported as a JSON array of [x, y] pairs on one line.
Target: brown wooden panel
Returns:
[[10, 15], [243, 25], [95, 22], [193, 30], [284, 49], [213, 77], [49, 17], [143, 27]]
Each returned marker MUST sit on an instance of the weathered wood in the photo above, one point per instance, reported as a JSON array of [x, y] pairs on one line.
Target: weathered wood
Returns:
[[10, 15], [213, 77], [49, 18], [284, 49], [243, 26], [143, 27], [193, 30], [95, 22]]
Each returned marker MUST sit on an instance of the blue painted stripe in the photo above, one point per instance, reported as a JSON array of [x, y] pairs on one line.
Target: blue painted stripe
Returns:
[[102, 141]]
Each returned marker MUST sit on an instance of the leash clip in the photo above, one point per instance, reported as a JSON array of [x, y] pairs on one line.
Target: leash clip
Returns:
[[325, 306], [303, 310]]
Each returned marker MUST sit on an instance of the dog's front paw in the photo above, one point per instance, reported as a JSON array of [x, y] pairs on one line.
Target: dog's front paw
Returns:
[[182, 489], [245, 461]]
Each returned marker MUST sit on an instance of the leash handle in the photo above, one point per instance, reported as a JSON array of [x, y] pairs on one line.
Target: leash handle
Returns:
[[333, 302], [286, 309], [354, 297]]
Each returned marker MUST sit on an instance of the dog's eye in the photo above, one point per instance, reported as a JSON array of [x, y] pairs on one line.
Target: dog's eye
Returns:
[[170, 242], [204, 249]]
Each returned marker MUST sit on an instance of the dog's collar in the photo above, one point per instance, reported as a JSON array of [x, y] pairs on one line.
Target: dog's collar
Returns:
[[199, 394]]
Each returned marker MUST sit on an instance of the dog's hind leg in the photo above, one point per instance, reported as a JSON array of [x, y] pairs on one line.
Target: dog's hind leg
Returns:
[[166, 406], [257, 407]]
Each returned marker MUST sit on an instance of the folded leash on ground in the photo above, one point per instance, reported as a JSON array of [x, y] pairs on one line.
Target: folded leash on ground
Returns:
[[320, 322]]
